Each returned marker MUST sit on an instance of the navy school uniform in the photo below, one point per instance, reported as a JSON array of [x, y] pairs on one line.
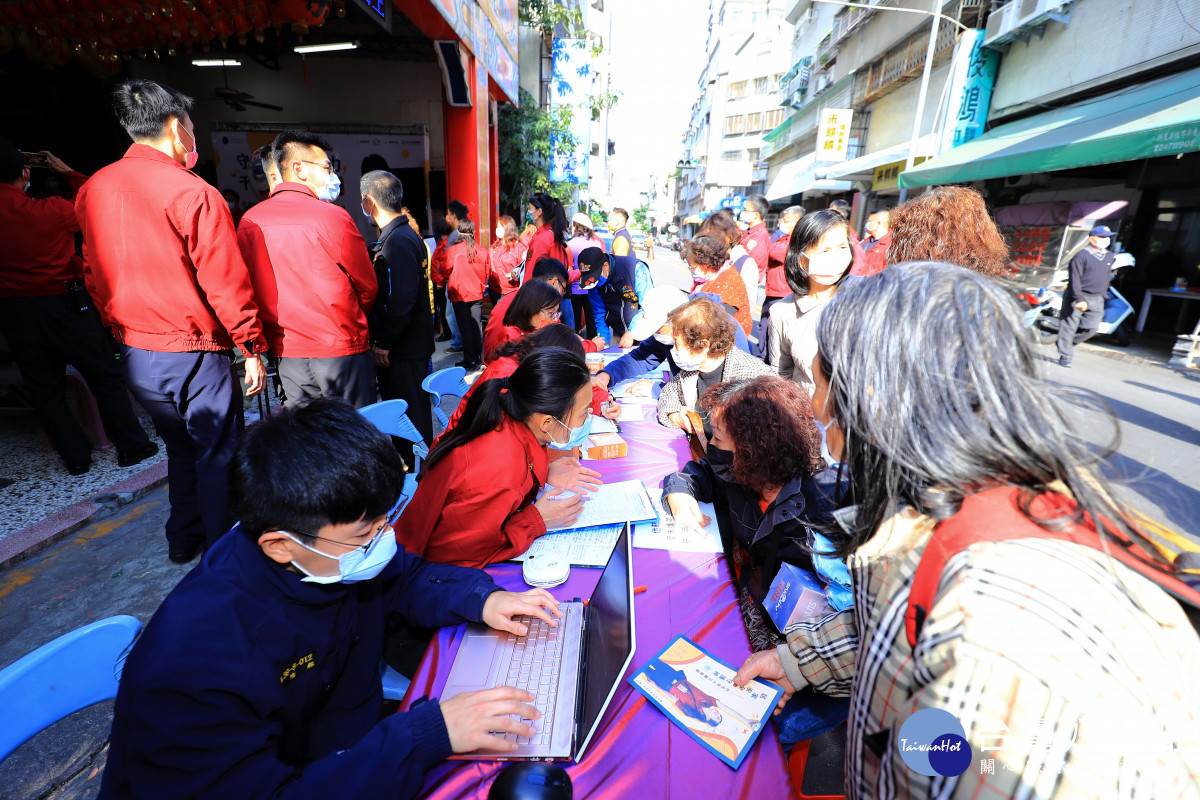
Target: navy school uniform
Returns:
[[249, 683]]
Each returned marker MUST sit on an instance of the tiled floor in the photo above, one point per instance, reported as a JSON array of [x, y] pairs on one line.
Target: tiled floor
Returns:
[[41, 484]]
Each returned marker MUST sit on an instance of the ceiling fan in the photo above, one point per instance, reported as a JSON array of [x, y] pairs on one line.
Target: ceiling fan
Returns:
[[238, 100]]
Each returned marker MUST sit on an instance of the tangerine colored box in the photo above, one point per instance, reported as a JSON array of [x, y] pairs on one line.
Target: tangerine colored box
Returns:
[[606, 445]]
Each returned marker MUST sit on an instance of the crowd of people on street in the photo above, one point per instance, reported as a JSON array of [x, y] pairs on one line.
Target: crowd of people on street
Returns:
[[869, 410]]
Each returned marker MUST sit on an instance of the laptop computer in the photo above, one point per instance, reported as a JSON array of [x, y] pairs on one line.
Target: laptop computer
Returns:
[[573, 669]]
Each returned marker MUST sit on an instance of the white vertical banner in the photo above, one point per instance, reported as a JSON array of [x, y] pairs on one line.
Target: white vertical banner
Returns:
[[833, 134], [571, 85]]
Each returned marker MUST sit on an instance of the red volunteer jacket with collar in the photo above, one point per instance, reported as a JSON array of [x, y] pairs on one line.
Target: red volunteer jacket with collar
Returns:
[[757, 242], [311, 273], [777, 285], [39, 248], [475, 506], [543, 245], [160, 258]]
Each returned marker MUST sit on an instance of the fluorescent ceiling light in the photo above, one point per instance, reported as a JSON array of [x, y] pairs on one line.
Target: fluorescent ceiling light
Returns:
[[324, 48], [215, 62]]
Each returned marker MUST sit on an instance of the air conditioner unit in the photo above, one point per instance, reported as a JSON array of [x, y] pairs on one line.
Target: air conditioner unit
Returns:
[[1021, 18], [1001, 22], [1035, 12]]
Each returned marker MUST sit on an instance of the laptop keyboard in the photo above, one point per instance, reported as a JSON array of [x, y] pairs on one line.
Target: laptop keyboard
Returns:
[[534, 667]]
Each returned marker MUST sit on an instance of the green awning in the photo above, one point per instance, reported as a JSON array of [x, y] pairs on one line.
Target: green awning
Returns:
[[776, 132], [1157, 118]]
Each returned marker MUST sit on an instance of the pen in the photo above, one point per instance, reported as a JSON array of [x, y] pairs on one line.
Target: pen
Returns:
[[637, 590]]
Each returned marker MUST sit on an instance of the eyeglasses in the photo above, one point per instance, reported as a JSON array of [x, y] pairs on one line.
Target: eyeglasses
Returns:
[[555, 314], [327, 166], [378, 532]]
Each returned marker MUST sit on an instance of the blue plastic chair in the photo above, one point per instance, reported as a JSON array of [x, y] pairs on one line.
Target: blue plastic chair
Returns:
[[391, 417], [442, 383], [61, 677], [394, 684]]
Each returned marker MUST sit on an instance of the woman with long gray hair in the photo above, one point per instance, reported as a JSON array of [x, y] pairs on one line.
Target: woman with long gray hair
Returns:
[[993, 571]]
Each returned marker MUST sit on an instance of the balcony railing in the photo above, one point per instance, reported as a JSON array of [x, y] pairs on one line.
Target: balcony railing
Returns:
[[904, 61]]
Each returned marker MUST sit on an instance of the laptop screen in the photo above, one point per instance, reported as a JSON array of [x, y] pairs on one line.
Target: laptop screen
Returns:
[[609, 638]]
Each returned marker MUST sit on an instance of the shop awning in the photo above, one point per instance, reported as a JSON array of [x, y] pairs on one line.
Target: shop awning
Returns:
[[796, 177], [863, 167], [1158, 118]]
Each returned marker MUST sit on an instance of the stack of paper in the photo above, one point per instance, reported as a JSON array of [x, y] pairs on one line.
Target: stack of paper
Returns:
[[612, 503]]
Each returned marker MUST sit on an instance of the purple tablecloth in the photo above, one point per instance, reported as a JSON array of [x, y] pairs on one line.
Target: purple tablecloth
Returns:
[[637, 752]]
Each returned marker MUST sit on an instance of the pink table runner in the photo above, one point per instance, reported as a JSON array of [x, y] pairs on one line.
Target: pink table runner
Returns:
[[636, 753]]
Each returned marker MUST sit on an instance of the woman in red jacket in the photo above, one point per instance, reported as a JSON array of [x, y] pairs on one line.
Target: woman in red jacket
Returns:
[[478, 501], [551, 238], [468, 281], [439, 273], [507, 254], [511, 353]]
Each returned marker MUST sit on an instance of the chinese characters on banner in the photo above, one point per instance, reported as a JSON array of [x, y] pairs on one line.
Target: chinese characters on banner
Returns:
[[972, 78], [833, 134]]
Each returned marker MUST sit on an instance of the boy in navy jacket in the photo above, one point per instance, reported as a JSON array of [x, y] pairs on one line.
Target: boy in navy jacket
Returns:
[[259, 674]]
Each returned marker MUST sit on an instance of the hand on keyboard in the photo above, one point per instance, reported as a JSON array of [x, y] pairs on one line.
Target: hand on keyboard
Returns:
[[501, 608], [534, 667], [472, 717]]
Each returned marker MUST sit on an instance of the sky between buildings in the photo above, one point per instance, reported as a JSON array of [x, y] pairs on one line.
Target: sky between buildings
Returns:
[[657, 54]]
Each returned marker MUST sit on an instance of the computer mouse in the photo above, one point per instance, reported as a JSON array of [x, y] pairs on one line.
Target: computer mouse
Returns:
[[545, 569], [531, 780]]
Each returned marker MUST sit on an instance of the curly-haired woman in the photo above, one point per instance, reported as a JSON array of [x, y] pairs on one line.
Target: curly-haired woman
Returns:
[[950, 224], [764, 462]]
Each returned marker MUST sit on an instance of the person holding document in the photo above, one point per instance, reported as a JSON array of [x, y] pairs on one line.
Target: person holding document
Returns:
[[478, 501]]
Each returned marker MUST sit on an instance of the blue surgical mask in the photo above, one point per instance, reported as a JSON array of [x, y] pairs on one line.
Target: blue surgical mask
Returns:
[[577, 437], [686, 362], [329, 192], [665, 338], [365, 214], [360, 564]]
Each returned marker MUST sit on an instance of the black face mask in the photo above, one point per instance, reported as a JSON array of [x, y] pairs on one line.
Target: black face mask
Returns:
[[721, 462]]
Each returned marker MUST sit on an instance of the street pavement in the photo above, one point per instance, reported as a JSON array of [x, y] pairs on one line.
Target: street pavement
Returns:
[[119, 565], [1157, 463]]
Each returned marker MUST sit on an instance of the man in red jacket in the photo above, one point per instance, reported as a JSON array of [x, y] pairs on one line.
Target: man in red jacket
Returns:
[[756, 241], [49, 320], [875, 247], [161, 262], [312, 277]]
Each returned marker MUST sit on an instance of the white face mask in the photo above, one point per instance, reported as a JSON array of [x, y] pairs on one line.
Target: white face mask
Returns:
[[828, 267], [687, 362], [499, 234], [665, 338]]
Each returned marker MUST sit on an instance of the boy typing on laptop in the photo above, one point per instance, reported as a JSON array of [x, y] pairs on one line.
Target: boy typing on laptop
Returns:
[[259, 674]]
